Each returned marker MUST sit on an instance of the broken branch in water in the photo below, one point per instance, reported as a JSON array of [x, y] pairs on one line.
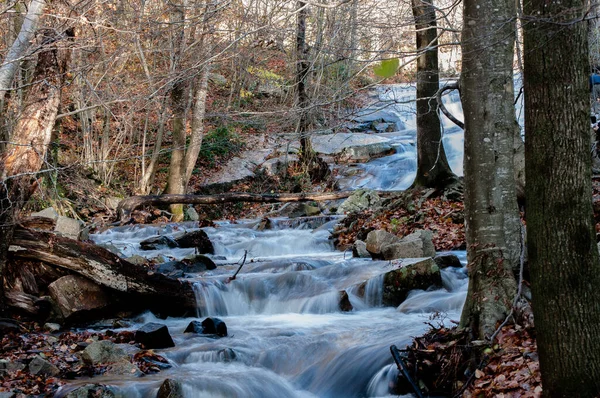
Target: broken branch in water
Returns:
[[231, 278]]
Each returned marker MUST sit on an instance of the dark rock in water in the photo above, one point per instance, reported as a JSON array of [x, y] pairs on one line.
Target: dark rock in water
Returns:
[[360, 250], [94, 390], [227, 355], [214, 326], [170, 389], [155, 242], [154, 335], [196, 239], [177, 269], [194, 327], [345, 304], [264, 224], [447, 260], [404, 278]]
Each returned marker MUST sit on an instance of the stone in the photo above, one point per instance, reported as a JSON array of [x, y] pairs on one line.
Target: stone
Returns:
[[9, 325], [170, 389], [426, 237], [68, 227], [47, 213], [155, 242], [362, 154], [137, 259], [360, 250], [402, 279], [77, 296], [214, 326], [154, 335], [10, 366], [279, 165], [123, 368], [361, 199], [112, 202], [198, 240], [217, 79], [52, 327], [194, 327], [197, 263], [103, 351], [41, 367], [377, 240], [191, 214], [416, 245], [96, 391], [345, 304], [227, 355], [447, 260], [335, 144]]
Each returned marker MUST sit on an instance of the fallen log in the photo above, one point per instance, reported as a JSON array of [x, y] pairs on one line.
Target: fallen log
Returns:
[[151, 290]]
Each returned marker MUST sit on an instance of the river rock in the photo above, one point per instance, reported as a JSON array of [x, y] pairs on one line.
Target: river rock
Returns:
[[10, 366], [96, 391], [170, 389], [194, 327], [68, 227], [227, 355], [154, 335], [198, 240], [364, 153], [447, 260], [360, 250], [379, 239], [416, 245], [214, 326], [123, 368], [335, 144], [345, 304], [51, 327], [401, 280], [41, 367], [191, 214], [103, 351], [276, 166], [360, 200], [77, 296], [155, 242], [48, 212]]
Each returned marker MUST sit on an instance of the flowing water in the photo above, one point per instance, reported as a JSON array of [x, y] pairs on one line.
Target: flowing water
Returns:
[[286, 334]]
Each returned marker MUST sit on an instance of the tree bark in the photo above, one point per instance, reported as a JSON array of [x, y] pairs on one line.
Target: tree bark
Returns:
[[302, 70], [491, 216], [25, 154], [433, 170], [563, 257], [127, 206]]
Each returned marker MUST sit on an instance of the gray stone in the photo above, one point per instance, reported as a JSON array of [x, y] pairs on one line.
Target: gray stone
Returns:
[[402, 279], [10, 366], [360, 200], [52, 327], [68, 227], [217, 79], [137, 259], [416, 245], [96, 391], [47, 213], [170, 389], [40, 366], [425, 236], [112, 202], [377, 240], [334, 144], [279, 165], [191, 214], [123, 368], [362, 154], [103, 351], [360, 250], [76, 296], [447, 260]]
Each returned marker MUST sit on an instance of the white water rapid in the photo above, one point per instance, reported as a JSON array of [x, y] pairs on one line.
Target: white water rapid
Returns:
[[286, 334]]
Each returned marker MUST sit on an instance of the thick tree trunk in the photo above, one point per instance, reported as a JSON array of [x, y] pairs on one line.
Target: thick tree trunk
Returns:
[[103, 268], [433, 170], [492, 219], [302, 70], [25, 154], [135, 202], [176, 166], [563, 257]]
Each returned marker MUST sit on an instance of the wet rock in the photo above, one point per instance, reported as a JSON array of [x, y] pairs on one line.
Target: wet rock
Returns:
[[335, 144], [103, 351], [123, 368], [362, 154], [155, 242], [77, 296], [170, 389], [96, 391], [416, 245], [360, 250], [447, 260], [154, 335], [401, 280], [214, 326], [194, 327], [41, 367], [378, 240], [191, 265], [361, 199], [345, 304], [264, 224], [227, 355], [198, 240], [383, 127]]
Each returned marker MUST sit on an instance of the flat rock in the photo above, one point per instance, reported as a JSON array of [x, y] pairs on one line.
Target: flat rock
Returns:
[[68, 227], [48, 212], [76, 296], [334, 144], [360, 200], [103, 351], [402, 279]]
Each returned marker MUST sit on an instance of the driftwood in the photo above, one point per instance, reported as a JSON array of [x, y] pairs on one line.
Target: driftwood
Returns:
[[127, 206], [140, 285]]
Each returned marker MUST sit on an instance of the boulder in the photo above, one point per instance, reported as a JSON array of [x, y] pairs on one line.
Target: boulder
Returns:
[[360, 200], [217, 79], [360, 250], [170, 389], [68, 227], [416, 245], [41, 367], [47, 213], [123, 368], [364, 153], [214, 326], [77, 296], [103, 351], [154, 335], [345, 304], [155, 242], [194, 327], [191, 265], [377, 240], [137, 259], [198, 240], [335, 144], [96, 391], [401, 280], [447, 260]]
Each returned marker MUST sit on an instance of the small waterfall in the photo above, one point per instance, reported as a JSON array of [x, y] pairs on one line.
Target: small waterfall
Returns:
[[209, 299], [374, 291], [380, 383]]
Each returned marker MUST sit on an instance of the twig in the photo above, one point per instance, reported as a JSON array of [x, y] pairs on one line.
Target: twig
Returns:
[[231, 278], [404, 370]]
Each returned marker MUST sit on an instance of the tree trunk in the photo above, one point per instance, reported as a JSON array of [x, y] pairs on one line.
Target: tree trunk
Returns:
[[302, 70], [433, 170], [25, 154], [563, 257], [492, 219]]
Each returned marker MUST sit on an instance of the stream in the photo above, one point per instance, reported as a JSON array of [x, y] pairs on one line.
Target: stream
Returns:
[[286, 334]]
